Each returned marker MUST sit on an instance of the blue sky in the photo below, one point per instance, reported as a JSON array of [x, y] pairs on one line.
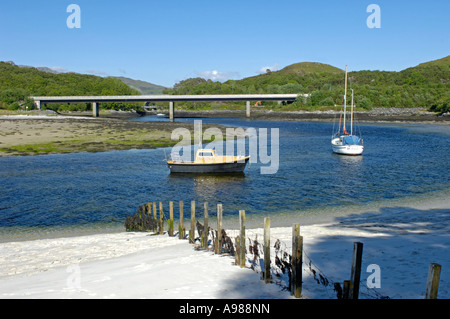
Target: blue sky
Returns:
[[164, 42]]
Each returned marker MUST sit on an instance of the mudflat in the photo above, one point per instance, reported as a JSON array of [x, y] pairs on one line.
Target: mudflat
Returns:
[[35, 135]]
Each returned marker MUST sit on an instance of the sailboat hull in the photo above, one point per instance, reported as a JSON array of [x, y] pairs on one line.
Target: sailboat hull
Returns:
[[346, 149]]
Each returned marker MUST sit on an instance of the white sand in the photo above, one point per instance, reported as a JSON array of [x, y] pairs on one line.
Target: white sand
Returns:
[[401, 241]]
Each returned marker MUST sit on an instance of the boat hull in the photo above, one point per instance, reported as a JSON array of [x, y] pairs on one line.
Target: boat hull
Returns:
[[230, 167], [348, 149]]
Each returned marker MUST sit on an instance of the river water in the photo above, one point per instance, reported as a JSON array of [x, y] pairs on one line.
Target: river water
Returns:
[[83, 193]]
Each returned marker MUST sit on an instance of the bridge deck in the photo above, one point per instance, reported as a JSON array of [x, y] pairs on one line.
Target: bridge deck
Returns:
[[167, 98], [162, 98]]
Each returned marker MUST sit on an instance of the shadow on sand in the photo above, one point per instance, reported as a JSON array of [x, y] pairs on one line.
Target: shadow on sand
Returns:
[[402, 241]]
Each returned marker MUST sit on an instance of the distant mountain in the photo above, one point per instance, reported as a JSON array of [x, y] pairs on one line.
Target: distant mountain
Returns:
[[40, 68], [43, 69], [142, 86]]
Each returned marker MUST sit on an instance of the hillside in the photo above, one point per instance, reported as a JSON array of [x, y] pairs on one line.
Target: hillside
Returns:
[[443, 63], [424, 85], [303, 68], [142, 86], [17, 83]]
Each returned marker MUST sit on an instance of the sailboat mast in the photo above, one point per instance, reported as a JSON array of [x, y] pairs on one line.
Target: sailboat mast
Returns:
[[345, 97], [351, 117]]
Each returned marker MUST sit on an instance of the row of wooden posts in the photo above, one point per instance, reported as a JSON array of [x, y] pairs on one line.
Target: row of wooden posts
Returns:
[[350, 287], [240, 242]]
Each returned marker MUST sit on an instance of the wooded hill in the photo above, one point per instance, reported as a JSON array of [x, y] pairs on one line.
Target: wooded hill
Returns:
[[426, 85], [18, 83]]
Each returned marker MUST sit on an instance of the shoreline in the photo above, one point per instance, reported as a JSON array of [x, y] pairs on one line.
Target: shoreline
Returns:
[[45, 133], [401, 240], [253, 221], [405, 115], [374, 115]]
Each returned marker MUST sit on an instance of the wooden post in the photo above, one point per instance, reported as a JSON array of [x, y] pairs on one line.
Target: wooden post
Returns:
[[297, 259], [242, 239], [139, 219], [299, 275], [192, 231], [161, 221], [219, 229], [267, 249], [434, 273], [149, 207], [170, 222], [237, 254], [181, 232], [295, 233], [206, 228], [154, 210], [356, 270], [140, 208], [346, 289]]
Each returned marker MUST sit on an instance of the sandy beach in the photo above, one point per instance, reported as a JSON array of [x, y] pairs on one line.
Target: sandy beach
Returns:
[[402, 241]]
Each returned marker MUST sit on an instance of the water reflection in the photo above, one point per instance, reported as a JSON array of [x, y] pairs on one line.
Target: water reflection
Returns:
[[355, 162], [211, 187]]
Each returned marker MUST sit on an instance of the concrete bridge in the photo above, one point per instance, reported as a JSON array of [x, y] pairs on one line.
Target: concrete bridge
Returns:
[[95, 100]]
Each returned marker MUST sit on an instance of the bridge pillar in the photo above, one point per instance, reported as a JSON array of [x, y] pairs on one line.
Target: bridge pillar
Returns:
[[95, 109], [38, 104], [171, 111], [247, 109]]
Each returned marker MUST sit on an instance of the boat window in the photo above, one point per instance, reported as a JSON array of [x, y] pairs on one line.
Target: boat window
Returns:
[[205, 154]]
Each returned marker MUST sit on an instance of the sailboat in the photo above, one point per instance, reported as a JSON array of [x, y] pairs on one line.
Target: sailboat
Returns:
[[346, 143]]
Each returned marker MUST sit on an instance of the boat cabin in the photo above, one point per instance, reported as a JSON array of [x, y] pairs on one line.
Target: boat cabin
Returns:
[[207, 156], [205, 153]]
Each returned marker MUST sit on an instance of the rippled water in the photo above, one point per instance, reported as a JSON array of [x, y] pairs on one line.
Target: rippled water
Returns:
[[45, 195]]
